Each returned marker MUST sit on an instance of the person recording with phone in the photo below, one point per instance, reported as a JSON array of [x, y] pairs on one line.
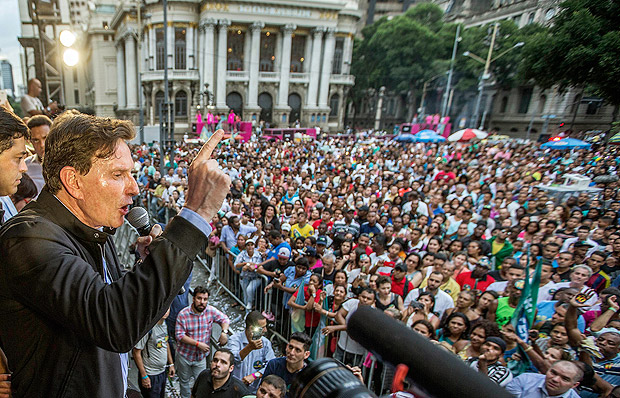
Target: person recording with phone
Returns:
[[69, 313], [252, 350]]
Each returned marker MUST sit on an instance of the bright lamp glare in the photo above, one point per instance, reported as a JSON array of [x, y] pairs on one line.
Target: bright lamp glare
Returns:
[[70, 57], [67, 38]]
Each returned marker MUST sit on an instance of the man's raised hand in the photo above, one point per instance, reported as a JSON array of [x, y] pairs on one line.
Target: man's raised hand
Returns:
[[208, 185]]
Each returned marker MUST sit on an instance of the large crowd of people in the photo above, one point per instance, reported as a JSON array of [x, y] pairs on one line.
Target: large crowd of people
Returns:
[[441, 237]]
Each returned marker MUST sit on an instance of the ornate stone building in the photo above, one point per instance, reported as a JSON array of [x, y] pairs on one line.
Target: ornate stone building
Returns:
[[277, 61], [274, 61]]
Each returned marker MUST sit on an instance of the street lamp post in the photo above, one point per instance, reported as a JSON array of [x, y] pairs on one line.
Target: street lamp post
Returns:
[[485, 74], [446, 94]]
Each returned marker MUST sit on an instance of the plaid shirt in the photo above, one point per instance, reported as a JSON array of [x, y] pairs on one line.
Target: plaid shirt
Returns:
[[197, 326]]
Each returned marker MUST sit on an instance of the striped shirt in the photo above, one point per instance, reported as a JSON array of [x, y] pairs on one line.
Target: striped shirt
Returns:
[[198, 326]]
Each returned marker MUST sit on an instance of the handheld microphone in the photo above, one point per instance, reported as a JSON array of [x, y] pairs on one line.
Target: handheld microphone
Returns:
[[138, 217], [442, 374]]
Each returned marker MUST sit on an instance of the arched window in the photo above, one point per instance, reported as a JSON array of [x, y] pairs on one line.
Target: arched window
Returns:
[[334, 104], [159, 99], [180, 104]]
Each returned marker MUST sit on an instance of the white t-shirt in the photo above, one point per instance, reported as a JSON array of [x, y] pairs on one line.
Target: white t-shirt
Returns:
[[29, 103], [345, 342]]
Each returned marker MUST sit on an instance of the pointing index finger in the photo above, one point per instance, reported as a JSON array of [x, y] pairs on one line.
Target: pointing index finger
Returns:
[[207, 149]]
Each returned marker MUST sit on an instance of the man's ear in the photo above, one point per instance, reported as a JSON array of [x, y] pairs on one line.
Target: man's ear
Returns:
[[306, 354], [70, 179]]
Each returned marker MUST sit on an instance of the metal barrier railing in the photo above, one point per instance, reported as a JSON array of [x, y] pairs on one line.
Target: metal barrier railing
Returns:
[[221, 272]]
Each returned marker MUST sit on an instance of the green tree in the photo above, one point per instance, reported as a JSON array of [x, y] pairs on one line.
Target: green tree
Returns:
[[581, 49], [402, 52]]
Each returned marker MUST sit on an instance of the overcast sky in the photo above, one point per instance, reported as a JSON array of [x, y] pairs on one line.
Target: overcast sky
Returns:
[[9, 30]]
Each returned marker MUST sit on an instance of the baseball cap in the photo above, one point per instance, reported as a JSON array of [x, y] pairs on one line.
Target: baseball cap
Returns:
[[401, 267], [285, 227], [284, 252], [321, 240], [498, 341], [251, 240], [582, 243], [310, 251], [484, 262]]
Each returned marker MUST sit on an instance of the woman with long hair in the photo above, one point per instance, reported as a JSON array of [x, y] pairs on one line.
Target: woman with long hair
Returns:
[[455, 328], [480, 331]]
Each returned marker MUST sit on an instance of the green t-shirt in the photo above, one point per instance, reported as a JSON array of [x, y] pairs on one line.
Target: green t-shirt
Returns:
[[504, 312]]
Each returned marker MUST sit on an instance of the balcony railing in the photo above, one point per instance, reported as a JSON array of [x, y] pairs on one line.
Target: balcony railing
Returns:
[[173, 74], [300, 77], [347, 80], [269, 76], [237, 76]]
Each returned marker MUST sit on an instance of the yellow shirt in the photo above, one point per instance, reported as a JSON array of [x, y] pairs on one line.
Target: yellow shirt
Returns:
[[297, 231], [450, 287], [497, 246]]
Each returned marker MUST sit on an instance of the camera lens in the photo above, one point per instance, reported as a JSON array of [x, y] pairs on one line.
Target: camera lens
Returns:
[[327, 378]]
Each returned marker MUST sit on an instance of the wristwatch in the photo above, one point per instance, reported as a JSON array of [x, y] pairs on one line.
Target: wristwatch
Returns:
[[227, 332]]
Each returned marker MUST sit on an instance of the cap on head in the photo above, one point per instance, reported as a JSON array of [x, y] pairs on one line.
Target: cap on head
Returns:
[[284, 252], [498, 341]]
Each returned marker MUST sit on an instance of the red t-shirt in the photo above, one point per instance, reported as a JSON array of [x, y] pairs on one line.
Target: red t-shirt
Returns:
[[312, 317], [398, 287], [465, 280]]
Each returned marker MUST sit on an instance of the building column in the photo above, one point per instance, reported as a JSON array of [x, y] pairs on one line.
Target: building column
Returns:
[[222, 54], [307, 55], [315, 63], [170, 45], [208, 52], [189, 39], [121, 90], [254, 64], [246, 50], [285, 64], [152, 45], [326, 70], [348, 54], [131, 72]]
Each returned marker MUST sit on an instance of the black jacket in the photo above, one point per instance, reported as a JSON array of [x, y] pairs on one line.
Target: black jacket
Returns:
[[61, 325]]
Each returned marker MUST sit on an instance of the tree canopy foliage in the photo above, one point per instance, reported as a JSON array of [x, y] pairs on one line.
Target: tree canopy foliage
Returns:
[[581, 48]]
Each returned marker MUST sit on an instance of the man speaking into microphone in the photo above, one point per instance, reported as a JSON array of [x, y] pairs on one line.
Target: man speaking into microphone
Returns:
[[68, 314]]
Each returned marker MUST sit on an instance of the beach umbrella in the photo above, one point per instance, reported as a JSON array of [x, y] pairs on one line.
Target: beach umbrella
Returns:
[[467, 135], [428, 136], [405, 138], [566, 143], [615, 140]]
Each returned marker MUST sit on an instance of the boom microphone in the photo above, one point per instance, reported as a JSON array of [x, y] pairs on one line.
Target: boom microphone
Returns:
[[138, 217], [430, 367]]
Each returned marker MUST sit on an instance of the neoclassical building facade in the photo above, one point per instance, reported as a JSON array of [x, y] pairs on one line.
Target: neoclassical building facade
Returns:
[[278, 61]]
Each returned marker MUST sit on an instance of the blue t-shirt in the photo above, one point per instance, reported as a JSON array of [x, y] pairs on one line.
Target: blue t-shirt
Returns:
[[277, 366], [546, 309], [274, 253]]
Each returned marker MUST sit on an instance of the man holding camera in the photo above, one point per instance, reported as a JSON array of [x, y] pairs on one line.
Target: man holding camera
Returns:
[[252, 350]]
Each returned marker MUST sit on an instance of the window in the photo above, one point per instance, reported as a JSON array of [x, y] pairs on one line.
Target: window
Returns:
[[236, 40], [159, 99], [530, 19], [593, 107], [541, 104], [503, 105], [180, 59], [180, 104], [338, 53], [75, 75], [334, 103], [526, 97], [298, 46], [267, 52], [76, 96], [159, 50]]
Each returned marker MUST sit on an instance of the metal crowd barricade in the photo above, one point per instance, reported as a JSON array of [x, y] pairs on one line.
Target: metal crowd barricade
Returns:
[[124, 237]]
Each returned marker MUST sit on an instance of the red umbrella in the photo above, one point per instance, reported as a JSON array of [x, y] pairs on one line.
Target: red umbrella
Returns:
[[467, 135]]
